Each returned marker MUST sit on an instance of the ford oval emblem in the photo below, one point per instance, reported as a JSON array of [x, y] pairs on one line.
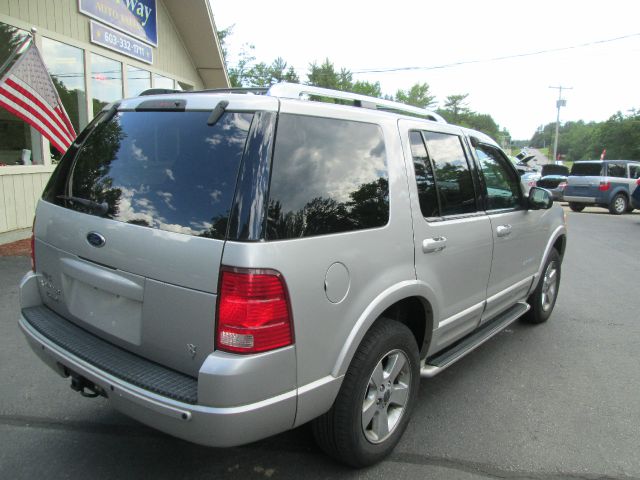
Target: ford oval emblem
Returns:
[[96, 240]]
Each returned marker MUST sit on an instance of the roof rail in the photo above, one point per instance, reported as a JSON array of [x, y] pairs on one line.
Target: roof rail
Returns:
[[248, 90], [302, 92]]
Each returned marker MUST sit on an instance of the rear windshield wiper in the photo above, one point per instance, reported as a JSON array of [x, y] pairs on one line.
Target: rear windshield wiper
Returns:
[[100, 208]]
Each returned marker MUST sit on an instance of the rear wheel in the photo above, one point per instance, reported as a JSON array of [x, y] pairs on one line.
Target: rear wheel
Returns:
[[576, 207], [619, 204], [544, 297], [376, 398]]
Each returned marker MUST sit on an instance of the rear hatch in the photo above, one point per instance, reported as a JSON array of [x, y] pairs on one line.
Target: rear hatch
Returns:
[[131, 229], [584, 179]]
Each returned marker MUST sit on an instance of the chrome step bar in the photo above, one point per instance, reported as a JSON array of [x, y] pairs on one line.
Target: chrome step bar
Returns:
[[303, 92], [436, 364]]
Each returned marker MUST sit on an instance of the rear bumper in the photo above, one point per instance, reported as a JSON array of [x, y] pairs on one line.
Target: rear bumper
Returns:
[[231, 407], [217, 427]]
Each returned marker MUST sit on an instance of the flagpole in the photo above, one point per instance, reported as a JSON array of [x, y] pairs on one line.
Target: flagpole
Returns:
[[14, 54]]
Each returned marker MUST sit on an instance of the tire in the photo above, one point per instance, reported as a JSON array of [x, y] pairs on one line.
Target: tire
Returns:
[[344, 432], [619, 204], [576, 207], [544, 297]]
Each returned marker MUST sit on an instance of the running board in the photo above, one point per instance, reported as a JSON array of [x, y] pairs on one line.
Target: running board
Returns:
[[434, 365]]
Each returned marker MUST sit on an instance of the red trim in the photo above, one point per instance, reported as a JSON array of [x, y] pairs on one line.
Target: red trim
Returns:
[[29, 120], [37, 101]]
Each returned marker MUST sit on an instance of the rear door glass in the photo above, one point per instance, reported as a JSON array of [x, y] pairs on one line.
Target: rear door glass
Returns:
[[617, 170], [165, 170]]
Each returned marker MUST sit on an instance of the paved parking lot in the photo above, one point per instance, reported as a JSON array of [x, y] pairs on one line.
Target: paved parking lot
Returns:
[[560, 400]]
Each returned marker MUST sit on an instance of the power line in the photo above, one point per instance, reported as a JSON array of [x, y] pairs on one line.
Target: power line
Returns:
[[505, 57]]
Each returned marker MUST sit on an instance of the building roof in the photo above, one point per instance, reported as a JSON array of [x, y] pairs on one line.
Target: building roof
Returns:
[[194, 21]]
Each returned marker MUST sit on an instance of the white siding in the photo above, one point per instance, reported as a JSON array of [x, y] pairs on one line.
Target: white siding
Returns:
[[19, 194]]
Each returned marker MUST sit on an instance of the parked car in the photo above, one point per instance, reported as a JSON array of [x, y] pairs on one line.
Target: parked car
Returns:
[[554, 178], [602, 183], [225, 267]]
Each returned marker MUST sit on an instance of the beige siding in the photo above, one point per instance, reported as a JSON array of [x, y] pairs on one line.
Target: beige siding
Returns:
[[19, 194], [63, 18]]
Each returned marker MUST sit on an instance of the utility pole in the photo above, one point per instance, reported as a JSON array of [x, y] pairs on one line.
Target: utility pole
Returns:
[[559, 103]]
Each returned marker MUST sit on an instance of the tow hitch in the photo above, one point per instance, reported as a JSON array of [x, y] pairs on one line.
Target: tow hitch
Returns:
[[85, 387]]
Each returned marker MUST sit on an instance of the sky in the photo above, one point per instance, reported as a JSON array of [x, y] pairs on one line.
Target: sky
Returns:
[[373, 35]]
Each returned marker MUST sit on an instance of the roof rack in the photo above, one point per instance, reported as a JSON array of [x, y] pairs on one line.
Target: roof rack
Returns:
[[303, 92], [248, 90]]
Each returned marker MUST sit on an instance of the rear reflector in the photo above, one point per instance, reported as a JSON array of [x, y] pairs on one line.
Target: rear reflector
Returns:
[[254, 314]]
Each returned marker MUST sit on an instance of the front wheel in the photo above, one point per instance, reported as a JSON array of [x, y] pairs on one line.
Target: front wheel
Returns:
[[376, 398], [576, 207], [619, 204], [544, 297]]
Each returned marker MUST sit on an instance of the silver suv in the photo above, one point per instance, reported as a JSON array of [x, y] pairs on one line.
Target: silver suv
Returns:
[[226, 266]]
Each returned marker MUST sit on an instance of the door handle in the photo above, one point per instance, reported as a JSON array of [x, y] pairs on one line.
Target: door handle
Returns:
[[503, 230], [435, 244]]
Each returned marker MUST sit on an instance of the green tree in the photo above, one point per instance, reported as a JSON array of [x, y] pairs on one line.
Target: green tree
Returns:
[[367, 88], [418, 96], [457, 106]]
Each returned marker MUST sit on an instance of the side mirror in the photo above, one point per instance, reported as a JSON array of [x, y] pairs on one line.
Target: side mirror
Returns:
[[540, 199]]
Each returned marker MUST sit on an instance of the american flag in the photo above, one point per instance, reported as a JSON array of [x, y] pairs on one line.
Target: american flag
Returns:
[[26, 90]]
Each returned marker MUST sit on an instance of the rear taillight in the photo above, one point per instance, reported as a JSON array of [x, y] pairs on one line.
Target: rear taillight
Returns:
[[33, 246], [638, 182], [604, 186], [562, 185], [254, 313]]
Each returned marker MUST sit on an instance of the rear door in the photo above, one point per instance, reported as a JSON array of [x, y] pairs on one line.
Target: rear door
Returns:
[[583, 183], [452, 235], [131, 229]]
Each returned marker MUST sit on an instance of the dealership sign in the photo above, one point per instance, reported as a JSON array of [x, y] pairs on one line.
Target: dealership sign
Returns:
[[119, 42], [135, 17]]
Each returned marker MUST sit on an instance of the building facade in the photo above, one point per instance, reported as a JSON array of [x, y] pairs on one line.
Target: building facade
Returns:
[[97, 51]]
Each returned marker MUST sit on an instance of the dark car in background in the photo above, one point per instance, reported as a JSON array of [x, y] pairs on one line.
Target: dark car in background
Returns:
[[554, 179], [602, 183]]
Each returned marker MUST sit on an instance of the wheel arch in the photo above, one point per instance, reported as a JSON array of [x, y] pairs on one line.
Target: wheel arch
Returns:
[[411, 303], [557, 240]]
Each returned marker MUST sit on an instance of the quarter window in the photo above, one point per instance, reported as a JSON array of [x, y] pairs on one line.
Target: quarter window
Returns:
[[328, 176], [634, 171], [501, 182]]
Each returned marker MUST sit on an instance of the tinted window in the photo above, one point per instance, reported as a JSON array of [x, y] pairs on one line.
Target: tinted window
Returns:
[[328, 176], [427, 195], [617, 170], [634, 171], [587, 169], [166, 170], [452, 175], [503, 190]]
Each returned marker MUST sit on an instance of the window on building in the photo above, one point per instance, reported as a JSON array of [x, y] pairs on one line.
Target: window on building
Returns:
[[66, 67], [451, 170], [19, 143], [329, 176], [138, 80], [160, 81], [106, 81], [502, 183]]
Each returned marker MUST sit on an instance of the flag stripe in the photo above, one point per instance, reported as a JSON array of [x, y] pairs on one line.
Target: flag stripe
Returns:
[[19, 112], [67, 121], [23, 89], [44, 117]]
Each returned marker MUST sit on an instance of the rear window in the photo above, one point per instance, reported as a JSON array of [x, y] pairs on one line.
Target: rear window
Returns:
[[554, 170], [586, 169], [328, 176], [165, 170]]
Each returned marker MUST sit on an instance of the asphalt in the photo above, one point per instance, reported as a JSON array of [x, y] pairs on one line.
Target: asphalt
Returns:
[[558, 400]]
